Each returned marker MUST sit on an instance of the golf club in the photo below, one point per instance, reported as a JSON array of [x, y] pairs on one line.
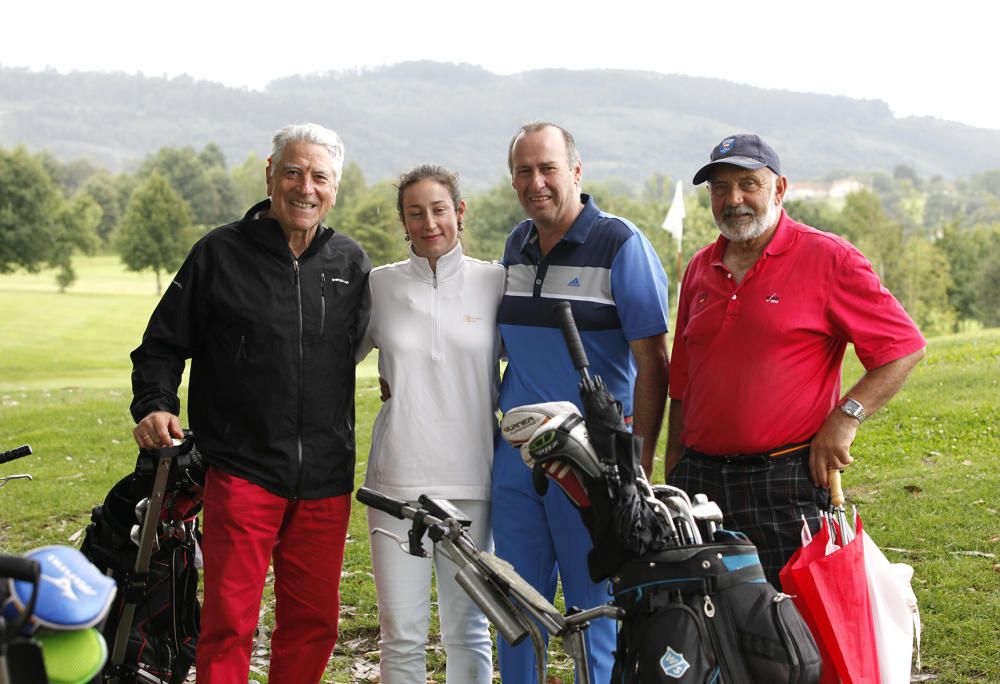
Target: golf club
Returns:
[[661, 491], [707, 514]]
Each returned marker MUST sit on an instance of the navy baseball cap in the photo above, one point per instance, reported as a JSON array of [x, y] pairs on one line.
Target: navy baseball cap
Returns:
[[743, 149]]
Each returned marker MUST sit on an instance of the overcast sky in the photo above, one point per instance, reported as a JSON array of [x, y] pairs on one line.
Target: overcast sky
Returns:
[[923, 58]]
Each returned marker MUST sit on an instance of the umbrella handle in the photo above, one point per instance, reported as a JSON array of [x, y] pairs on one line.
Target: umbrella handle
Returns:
[[836, 490]]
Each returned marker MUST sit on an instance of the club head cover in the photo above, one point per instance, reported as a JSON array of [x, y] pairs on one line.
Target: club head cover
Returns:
[[520, 423], [563, 450], [570, 480], [565, 438], [72, 593]]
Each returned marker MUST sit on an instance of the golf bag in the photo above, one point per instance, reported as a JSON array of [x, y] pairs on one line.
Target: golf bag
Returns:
[[153, 626], [705, 614]]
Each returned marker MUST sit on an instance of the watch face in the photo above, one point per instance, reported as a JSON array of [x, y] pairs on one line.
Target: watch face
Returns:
[[853, 409]]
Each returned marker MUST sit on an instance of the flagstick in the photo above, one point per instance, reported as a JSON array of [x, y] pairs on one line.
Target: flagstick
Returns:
[[673, 223]]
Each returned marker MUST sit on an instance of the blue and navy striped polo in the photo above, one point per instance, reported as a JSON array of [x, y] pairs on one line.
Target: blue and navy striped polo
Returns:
[[608, 272]]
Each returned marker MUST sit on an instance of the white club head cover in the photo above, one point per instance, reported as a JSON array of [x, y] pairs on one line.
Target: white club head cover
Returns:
[[520, 423], [562, 438]]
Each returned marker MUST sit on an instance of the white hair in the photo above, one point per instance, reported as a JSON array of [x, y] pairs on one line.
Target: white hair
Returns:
[[313, 134]]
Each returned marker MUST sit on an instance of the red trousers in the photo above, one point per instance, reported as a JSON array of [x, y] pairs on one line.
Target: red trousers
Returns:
[[243, 526]]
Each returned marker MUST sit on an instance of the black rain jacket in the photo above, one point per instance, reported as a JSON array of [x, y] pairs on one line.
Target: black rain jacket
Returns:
[[271, 340]]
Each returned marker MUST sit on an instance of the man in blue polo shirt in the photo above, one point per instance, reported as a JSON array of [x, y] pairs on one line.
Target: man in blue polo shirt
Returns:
[[569, 250]]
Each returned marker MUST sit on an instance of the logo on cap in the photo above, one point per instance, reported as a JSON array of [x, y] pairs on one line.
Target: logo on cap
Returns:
[[726, 145]]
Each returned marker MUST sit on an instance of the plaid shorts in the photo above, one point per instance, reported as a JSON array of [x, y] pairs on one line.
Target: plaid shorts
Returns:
[[763, 498]]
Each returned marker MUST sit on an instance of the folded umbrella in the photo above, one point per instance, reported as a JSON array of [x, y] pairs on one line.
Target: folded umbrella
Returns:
[[894, 613], [829, 585]]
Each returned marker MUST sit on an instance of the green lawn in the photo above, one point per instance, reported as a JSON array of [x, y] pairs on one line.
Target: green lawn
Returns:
[[925, 479]]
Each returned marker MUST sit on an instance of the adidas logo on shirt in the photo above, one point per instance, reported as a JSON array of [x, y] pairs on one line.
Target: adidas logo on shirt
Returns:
[[573, 283]]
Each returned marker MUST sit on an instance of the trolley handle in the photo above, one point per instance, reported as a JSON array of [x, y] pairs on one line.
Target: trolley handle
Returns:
[[395, 507], [25, 570], [14, 454], [18, 568]]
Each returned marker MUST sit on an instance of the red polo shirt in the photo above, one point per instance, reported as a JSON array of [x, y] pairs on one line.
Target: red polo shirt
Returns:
[[757, 364]]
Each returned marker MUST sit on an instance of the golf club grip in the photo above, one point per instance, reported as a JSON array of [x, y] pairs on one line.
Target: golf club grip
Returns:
[[386, 504], [836, 489], [14, 454], [18, 568], [564, 316]]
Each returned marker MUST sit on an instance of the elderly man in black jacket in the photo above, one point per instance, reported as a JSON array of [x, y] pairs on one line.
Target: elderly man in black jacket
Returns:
[[268, 309]]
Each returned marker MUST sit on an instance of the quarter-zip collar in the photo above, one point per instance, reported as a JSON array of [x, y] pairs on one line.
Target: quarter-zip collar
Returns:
[[448, 265]]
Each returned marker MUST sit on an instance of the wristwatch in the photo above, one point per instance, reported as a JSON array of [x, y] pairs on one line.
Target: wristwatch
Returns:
[[854, 409]]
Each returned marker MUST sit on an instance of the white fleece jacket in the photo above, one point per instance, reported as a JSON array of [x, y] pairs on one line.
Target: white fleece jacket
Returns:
[[438, 348]]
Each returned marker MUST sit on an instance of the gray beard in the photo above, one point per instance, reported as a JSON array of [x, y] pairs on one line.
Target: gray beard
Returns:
[[759, 225]]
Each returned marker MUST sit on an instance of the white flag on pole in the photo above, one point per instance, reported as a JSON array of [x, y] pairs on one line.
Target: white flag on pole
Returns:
[[673, 223]]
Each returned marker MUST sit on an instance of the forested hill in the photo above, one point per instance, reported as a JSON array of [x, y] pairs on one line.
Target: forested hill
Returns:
[[628, 124]]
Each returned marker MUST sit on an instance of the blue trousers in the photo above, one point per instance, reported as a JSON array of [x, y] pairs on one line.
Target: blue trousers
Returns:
[[544, 539]]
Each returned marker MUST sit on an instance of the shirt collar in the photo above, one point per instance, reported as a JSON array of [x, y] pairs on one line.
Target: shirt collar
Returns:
[[783, 236]]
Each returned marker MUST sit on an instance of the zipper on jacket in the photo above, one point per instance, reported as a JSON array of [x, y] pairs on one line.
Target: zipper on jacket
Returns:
[[322, 302], [435, 324], [298, 418]]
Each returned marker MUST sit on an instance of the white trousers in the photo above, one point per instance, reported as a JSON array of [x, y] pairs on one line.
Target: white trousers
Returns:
[[403, 586]]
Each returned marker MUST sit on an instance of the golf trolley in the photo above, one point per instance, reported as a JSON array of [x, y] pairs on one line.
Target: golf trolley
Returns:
[[145, 537], [512, 605], [690, 596]]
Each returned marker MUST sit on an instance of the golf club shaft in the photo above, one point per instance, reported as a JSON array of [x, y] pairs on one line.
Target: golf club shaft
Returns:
[[564, 316]]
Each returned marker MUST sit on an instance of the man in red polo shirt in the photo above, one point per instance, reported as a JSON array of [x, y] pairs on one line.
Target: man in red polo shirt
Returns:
[[757, 417]]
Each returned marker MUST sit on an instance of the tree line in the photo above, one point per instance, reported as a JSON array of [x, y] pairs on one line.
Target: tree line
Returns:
[[935, 244]]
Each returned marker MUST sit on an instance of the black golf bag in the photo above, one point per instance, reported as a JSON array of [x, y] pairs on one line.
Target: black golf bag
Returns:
[[145, 535], [705, 613]]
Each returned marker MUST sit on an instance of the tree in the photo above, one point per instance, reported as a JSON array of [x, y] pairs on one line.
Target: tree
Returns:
[[489, 218], [227, 207], [965, 249], [210, 196], [988, 282], [101, 188], [248, 182], [29, 205], [211, 157], [76, 229], [371, 219], [865, 223], [69, 176], [154, 230], [818, 213], [352, 185], [924, 279]]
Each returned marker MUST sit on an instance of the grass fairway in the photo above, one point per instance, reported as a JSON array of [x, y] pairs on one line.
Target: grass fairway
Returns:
[[925, 479]]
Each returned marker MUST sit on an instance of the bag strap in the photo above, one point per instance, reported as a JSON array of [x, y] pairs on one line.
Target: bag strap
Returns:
[[750, 573]]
